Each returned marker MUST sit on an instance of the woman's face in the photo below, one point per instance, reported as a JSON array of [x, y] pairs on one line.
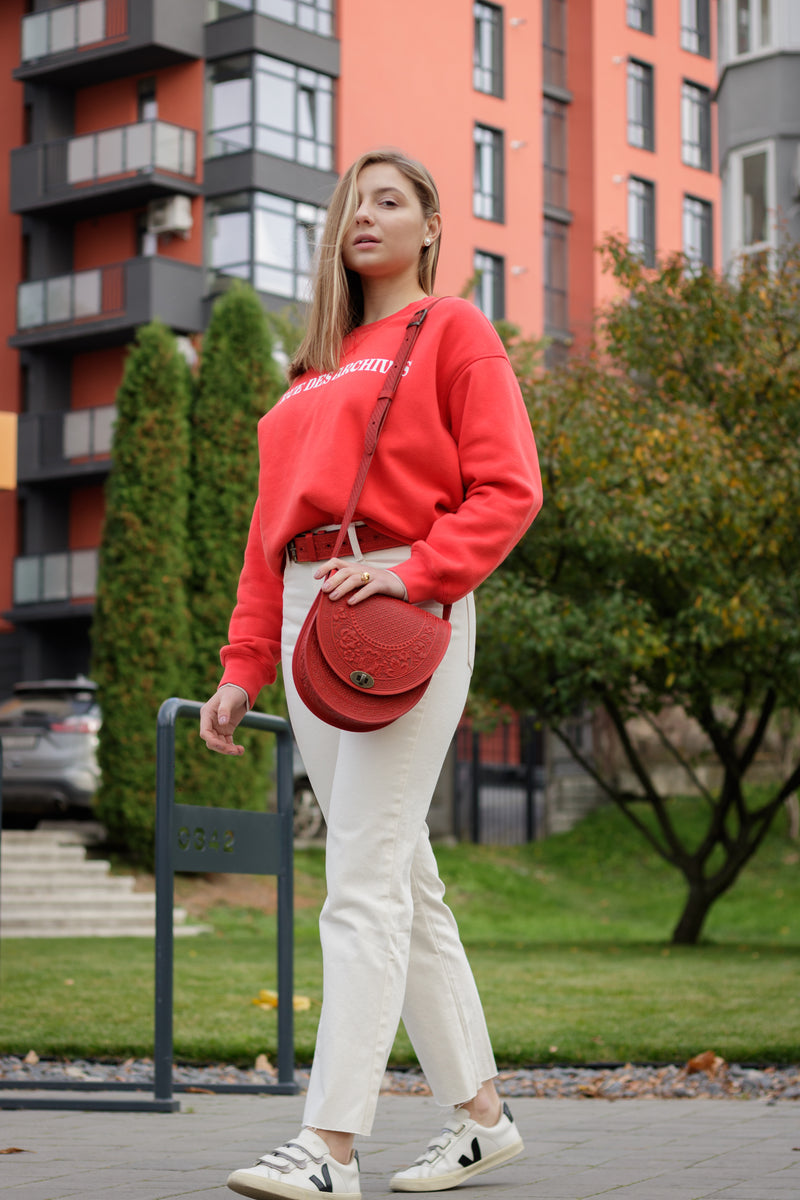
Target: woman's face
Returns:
[[389, 229]]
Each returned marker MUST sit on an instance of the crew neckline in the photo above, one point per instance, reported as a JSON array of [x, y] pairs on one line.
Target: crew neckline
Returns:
[[415, 304]]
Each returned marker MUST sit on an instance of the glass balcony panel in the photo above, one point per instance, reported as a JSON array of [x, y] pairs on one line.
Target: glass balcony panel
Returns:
[[55, 574], [138, 146], [109, 153], [58, 301], [84, 573], [282, 10], [91, 22], [63, 28], [88, 302], [80, 159], [270, 279], [27, 585], [103, 428], [30, 305], [34, 36], [168, 147], [77, 434]]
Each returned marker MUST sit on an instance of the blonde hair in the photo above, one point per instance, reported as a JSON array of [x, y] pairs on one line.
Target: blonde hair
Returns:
[[337, 304]]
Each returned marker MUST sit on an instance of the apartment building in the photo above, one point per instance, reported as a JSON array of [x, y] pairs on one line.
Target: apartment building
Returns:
[[759, 124], [153, 149]]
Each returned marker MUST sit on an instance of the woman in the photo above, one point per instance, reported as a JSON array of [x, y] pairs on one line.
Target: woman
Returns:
[[453, 486]]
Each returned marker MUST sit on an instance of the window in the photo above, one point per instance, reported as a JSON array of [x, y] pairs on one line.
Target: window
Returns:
[[554, 42], [753, 25], [640, 15], [696, 27], [315, 15], [147, 104], [556, 316], [276, 107], [698, 244], [641, 131], [642, 219], [487, 70], [555, 153], [696, 126], [266, 239], [487, 199], [755, 200], [490, 287]]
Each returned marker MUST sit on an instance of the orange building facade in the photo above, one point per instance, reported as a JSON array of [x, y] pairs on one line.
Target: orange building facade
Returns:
[[152, 149]]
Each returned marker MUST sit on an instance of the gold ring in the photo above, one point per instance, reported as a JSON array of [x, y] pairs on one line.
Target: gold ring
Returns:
[[365, 576]]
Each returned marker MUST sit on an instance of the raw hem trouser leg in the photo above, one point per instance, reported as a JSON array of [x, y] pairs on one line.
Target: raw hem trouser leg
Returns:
[[389, 943]]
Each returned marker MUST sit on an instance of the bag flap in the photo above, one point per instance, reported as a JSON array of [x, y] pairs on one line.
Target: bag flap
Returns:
[[383, 645]]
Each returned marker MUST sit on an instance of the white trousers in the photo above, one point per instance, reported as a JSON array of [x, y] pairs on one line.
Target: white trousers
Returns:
[[390, 945]]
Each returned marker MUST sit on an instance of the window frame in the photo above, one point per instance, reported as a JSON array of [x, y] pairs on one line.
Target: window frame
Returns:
[[556, 290], [641, 93], [492, 278], [703, 216], [317, 16], [696, 117], [554, 152], [254, 134], [644, 246], [736, 198], [247, 202], [488, 17], [645, 10], [696, 27], [554, 43], [493, 200]]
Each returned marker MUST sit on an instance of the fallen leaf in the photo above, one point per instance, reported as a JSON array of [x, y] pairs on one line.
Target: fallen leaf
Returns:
[[31, 1058], [16, 1150], [708, 1061], [267, 999], [262, 1063], [198, 1091]]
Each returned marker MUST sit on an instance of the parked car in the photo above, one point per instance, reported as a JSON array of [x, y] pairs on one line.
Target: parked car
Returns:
[[49, 735]]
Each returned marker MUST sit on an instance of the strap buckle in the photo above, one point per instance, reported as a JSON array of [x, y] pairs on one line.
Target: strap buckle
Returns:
[[418, 318]]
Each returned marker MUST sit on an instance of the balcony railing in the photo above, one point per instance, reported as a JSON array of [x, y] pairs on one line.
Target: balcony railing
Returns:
[[56, 443], [128, 165], [45, 578], [73, 27], [63, 299], [144, 146]]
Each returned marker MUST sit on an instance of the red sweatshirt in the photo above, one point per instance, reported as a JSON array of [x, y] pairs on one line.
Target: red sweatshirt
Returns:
[[455, 475]]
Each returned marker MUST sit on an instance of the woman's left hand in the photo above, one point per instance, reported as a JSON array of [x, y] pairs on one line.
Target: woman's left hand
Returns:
[[358, 580]]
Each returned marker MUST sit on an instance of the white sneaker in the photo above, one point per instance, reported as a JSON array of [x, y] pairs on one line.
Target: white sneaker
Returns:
[[462, 1149], [299, 1168]]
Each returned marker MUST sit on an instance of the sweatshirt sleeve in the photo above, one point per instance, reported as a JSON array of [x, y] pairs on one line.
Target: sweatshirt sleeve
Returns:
[[501, 479], [254, 636]]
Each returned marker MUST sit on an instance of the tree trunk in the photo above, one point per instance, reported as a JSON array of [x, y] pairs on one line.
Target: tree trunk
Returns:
[[692, 919]]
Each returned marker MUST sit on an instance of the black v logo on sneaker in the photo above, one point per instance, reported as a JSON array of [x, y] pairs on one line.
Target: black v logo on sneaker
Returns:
[[327, 1185], [476, 1155]]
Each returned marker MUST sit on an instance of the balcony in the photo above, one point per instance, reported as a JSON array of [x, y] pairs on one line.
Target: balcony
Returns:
[[95, 40], [65, 445], [102, 307], [68, 578], [112, 169]]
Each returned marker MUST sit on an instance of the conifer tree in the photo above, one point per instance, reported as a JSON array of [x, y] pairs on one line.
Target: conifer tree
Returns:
[[238, 382], [140, 627]]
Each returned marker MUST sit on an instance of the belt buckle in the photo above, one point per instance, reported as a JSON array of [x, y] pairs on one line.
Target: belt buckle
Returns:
[[291, 549]]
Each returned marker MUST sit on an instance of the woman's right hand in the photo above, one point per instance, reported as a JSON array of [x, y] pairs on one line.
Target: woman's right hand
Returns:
[[219, 717]]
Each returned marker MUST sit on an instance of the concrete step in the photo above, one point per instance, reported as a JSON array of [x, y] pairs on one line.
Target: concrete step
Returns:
[[49, 888]]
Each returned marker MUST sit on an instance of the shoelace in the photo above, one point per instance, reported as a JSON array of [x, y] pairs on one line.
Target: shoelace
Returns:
[[290, 1160]]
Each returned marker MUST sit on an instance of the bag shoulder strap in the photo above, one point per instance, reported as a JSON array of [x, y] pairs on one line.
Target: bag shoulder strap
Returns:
[[378, 416]]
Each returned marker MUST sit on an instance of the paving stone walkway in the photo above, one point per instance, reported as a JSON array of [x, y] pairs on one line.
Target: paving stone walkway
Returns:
[[575, 1149]]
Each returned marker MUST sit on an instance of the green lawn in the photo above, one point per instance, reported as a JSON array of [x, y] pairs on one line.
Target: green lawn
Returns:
[[568, 938]]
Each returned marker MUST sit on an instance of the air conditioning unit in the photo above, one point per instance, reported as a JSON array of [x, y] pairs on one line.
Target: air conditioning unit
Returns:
[[173, 215]]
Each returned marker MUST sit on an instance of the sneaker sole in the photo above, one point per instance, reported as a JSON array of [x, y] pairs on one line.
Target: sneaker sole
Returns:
[[441, 1183], [264, 1189]]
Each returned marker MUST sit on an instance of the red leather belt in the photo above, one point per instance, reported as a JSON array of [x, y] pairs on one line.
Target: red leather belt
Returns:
[[316, 547]]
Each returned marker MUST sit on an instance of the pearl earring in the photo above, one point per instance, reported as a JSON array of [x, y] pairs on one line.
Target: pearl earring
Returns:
[[427, 241]]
